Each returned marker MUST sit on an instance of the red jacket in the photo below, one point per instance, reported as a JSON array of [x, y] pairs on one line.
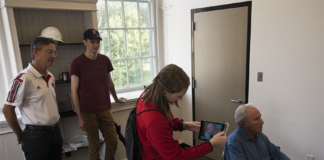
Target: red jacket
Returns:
[[156, 134]]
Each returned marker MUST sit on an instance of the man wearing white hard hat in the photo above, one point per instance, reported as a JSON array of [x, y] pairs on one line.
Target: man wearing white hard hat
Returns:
[[91, 86], [33, 92]]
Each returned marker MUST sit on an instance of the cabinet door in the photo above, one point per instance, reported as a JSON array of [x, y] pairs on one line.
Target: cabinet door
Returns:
[[2, 149], [11, 149]]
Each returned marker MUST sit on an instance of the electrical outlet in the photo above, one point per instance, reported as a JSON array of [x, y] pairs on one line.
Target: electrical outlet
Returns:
[[260, 76], [309, 157]]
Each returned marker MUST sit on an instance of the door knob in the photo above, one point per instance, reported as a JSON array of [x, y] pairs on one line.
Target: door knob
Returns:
[[237, 101]]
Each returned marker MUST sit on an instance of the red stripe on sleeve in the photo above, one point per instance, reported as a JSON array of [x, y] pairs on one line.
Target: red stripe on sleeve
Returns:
[[14, 88]]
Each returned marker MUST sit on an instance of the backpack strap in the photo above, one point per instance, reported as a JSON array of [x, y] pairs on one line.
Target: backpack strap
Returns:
[[144, 110], [147, 110]]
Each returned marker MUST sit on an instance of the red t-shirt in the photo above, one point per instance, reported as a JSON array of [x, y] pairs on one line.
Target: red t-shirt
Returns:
[[156, 134], [93, 85]]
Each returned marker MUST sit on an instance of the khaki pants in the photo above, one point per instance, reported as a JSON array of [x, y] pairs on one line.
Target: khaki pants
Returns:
[[103, 121]]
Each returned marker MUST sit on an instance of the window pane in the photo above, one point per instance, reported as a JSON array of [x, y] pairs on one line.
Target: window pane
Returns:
[[132, 39], [119, 74], [146, 44], [145, 20], [130, 49], [104, 45], [115, 14], [2, 91], [131, 18], [148, 70], [117, 44], [134, 72], [101, 14]]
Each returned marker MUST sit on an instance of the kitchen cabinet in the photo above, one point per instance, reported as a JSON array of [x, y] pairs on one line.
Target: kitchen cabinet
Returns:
[[62, 63], [69, 128], [62, 82], [25, 19]]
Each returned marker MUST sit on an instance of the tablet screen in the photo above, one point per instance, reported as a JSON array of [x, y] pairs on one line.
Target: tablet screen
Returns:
[[209, 129]]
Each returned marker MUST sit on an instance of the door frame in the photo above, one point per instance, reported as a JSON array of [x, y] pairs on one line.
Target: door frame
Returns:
[[221, 7]]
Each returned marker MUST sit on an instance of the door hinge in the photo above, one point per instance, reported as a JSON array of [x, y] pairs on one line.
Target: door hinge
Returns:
[[193, 26], [193, 83]]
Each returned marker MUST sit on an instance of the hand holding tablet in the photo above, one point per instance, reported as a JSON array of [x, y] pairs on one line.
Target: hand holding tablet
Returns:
[[209, 129]]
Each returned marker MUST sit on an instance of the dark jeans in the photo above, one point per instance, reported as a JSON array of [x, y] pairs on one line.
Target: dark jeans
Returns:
[[42, 145]]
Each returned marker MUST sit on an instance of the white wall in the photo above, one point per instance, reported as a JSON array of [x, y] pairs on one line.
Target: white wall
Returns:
[[287, 45]]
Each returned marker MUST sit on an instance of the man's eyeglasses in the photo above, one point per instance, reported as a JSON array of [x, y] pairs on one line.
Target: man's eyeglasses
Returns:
[[50, 51]]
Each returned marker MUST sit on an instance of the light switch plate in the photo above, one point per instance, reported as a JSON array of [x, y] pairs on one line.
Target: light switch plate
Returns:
[[260, 76], [309, 157]]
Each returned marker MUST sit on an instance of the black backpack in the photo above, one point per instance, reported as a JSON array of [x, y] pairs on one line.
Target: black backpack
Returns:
[[133, 143]]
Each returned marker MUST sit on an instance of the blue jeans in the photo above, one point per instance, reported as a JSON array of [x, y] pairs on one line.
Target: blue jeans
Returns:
[[42, 145]]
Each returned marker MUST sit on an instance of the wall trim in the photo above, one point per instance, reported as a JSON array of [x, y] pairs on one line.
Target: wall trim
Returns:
[[166, 7], [52, 5]]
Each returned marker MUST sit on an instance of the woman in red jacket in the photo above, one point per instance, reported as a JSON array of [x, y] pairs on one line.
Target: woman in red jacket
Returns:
[[155, 128]]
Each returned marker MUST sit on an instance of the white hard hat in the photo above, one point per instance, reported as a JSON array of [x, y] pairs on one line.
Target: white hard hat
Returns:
[[52, 32]]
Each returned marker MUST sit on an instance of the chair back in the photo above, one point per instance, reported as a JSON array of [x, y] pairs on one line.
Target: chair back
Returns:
[[223, 156]]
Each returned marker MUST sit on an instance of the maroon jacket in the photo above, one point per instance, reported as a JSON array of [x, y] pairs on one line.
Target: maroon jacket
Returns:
[[156, 134]]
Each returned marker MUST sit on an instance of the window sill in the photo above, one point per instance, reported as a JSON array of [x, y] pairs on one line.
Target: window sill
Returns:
[[131, 97], [5, 129]]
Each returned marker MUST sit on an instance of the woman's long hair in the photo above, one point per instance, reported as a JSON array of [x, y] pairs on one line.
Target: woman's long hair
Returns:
[[172, 79]]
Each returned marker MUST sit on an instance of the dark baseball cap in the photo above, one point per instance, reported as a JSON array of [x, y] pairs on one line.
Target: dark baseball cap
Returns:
[[91, 34]]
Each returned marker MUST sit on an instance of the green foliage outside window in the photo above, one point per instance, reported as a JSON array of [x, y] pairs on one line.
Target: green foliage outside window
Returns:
[[127, 43]]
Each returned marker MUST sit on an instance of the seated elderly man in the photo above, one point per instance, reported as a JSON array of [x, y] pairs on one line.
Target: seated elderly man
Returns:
[[248, 142]]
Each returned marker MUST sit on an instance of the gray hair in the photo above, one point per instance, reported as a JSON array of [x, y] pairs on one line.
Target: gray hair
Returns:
[[240, 113], [39, 42]]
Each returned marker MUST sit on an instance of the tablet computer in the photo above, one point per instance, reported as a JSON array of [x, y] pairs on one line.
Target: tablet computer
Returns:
[[209, 129]]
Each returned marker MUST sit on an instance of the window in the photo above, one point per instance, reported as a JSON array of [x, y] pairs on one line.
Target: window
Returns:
[[2, 83], [5, 68], [127, 35], [2, 91]]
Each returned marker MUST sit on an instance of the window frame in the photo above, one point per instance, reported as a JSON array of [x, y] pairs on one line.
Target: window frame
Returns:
[[9, 65], [152, 41], [2, 85]]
